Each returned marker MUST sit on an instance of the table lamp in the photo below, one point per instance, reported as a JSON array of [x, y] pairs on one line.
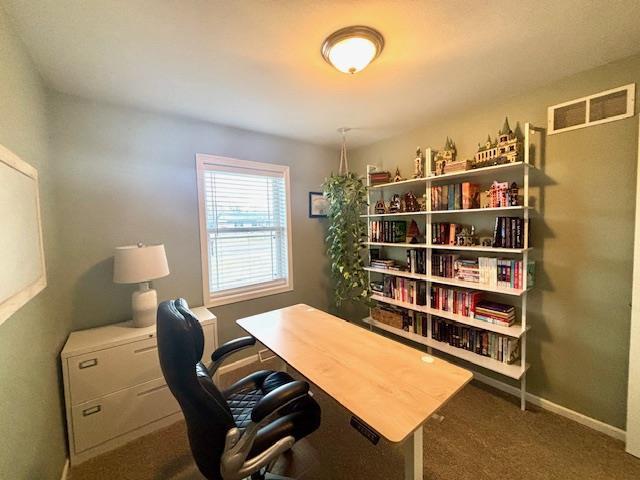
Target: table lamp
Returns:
[[141, 264]]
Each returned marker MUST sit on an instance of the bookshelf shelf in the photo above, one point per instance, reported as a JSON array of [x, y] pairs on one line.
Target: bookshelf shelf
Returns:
[[402, 245], [515, 331], [518, 172], [398, 273], [479, 172], [475, 286], [478, 249], [480, 210], [448, 281], [515, 371], [400, 214]]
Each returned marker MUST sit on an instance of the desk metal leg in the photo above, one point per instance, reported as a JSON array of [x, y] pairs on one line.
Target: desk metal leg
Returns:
[[413, 456]]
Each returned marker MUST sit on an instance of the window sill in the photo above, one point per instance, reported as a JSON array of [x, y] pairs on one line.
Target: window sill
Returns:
[[216, 301]]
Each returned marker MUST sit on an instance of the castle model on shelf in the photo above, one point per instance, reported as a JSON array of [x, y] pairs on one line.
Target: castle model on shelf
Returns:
[[507, 148], [445, 161]]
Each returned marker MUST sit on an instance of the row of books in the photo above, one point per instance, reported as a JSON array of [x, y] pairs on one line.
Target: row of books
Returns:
[[455, 300], [502, 194], [444, 233], [405, 290], [455, 197], [388, 231], [488, 344], [508, 232], [490, 271], [417, 260]]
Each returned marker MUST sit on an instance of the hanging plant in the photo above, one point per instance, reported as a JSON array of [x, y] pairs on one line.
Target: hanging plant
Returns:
[[347, 233]]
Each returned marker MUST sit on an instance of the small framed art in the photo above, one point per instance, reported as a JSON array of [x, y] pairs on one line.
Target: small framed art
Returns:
[[318, 205]]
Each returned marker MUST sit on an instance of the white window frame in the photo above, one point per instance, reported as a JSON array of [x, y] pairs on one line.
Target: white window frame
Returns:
[[203, 161]]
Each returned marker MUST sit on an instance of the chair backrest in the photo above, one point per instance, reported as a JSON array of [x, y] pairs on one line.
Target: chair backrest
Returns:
[[180, 348]]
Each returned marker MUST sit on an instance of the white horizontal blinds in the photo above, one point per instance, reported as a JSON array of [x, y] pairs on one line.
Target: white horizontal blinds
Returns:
[[246, 222]]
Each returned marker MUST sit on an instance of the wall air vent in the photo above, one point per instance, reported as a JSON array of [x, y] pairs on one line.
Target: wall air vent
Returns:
[[602, 107]]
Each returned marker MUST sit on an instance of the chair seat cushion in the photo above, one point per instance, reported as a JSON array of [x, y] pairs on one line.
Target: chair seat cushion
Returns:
[[298, 419], [245, 394]]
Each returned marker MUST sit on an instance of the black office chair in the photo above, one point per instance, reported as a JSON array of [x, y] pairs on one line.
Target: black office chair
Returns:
[[242, 430]]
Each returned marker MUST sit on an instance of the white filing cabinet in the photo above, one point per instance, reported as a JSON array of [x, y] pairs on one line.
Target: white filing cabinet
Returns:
[[113, 386]]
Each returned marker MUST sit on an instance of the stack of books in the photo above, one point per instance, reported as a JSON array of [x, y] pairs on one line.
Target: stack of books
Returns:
[[455, 197], [383, 263], [467, 270], [496, 313]]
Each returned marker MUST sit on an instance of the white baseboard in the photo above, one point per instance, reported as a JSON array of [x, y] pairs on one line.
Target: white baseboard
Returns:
[[65, 470], [605, 428]]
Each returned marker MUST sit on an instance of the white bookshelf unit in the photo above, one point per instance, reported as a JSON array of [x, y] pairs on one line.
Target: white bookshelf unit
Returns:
[[517, 171]]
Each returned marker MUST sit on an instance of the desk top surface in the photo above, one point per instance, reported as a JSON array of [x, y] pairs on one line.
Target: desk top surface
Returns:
[[386, 384]]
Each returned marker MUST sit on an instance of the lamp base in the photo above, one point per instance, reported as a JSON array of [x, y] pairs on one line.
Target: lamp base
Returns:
[[144, 303]]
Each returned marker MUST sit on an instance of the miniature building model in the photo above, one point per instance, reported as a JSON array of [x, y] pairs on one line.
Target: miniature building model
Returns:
[[505, 149], [445, 161]]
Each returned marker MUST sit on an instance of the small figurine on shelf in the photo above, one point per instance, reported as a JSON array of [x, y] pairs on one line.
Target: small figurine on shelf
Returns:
[[423, 202], [466, 238], [397, 177], [394, 204], [513, 194], [413, 233], [486, 241], [411, 202], [380, 207], [418, 169]]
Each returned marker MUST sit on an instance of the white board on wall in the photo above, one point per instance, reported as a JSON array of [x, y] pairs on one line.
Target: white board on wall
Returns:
[[22, 265]]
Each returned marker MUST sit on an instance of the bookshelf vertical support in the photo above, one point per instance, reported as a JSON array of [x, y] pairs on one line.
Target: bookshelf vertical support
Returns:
[[370, 169]]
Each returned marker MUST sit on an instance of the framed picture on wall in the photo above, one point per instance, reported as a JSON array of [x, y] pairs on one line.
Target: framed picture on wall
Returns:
[[318, 205]]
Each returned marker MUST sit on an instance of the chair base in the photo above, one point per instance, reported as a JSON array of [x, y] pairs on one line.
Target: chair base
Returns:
[[269, 476]]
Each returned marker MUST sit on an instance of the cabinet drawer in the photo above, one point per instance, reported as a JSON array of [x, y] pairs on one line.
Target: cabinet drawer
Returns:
[[100, 420], [96, 374], [93, 375]]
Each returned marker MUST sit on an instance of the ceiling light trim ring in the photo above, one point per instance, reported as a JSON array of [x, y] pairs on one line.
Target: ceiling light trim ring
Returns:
[[349, 32]]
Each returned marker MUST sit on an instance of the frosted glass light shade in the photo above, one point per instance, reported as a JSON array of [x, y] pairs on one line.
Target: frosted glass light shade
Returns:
[[351, 49], [137, 264], [352, 54]]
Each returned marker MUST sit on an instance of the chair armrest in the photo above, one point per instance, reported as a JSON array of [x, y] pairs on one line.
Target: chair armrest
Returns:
[[227, 349], [278, 398]]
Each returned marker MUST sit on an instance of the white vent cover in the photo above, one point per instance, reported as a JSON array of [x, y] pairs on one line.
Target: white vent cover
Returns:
[[602, 107]]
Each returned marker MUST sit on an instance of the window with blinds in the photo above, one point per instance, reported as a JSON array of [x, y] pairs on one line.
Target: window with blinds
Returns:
[[244, 217]]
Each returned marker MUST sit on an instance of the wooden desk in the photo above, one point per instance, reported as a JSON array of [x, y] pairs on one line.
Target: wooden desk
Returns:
[[393, 388]]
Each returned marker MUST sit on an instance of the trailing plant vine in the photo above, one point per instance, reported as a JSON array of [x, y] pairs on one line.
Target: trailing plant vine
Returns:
[[347, 234]]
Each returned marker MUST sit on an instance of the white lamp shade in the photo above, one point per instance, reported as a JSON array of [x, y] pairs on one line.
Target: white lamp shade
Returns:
[[138, 264]]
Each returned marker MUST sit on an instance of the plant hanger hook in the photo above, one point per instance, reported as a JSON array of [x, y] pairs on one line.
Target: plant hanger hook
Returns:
[[344, 163]]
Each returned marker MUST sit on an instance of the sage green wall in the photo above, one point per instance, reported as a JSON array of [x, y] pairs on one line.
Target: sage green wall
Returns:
[[125, 176], [32, 441], [583, 231]]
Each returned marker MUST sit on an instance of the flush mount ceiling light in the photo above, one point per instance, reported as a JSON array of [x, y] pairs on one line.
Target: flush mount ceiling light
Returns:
[[351, 49]]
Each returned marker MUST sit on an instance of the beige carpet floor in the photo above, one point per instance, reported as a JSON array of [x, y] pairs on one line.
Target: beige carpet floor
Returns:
[[484, 436]]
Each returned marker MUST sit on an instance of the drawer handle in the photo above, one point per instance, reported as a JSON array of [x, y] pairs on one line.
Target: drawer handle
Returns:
[[92, 362], [146, 349], [91, 410], [151, 390]]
